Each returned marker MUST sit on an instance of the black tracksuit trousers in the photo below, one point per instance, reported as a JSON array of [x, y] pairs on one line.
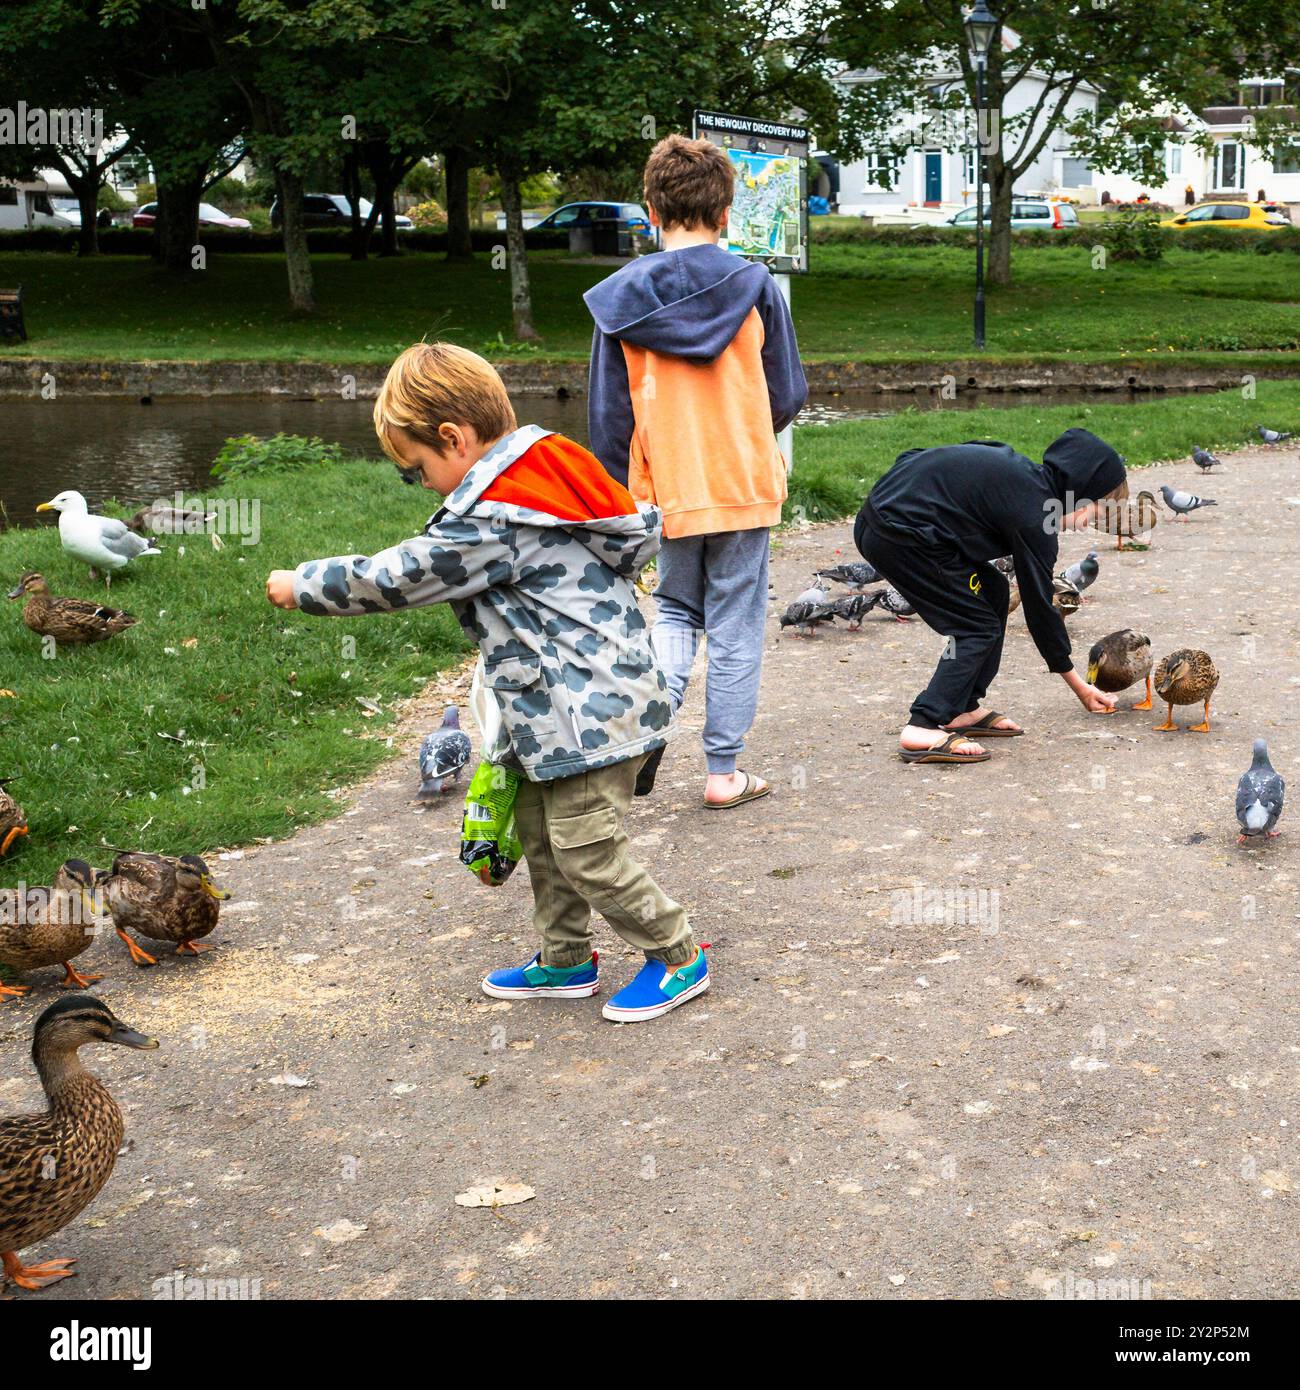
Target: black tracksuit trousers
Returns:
[[965, 602]]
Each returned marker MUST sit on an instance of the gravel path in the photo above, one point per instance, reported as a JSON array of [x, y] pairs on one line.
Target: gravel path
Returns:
[[1078, 1062]]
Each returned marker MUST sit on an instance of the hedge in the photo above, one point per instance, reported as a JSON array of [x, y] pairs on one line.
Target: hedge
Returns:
[[1085, 234], [138, 241]]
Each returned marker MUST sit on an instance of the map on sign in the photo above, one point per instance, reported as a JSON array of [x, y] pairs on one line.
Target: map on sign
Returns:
[[765, 214], [769, 211]]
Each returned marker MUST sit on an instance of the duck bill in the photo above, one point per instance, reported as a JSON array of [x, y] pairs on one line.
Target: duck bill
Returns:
[[15, 593], [1092, 674], [213, 891], [128, 1037], [45, 507]]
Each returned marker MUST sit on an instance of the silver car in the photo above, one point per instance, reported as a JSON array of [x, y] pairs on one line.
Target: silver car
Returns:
[[1027, 215]]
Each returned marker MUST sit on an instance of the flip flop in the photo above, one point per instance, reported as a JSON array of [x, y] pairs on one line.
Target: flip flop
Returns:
[[753, 790], [942, 752], [984, 725]]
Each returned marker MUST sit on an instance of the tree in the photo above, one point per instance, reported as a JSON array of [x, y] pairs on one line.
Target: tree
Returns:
[[1141, 57]]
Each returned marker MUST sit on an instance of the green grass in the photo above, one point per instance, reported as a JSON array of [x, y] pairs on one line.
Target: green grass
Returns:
[[870, 303], [267, 702]]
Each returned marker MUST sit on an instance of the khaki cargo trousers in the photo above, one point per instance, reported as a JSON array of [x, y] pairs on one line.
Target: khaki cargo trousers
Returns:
[[578, 859]]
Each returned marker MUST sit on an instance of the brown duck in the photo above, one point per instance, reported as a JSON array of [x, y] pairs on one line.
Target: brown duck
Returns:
[[53, 1165], [1128, 518], [162, 898], [72, 621], [1119, 660], [13, 822], [1186, 677], [49, 926]]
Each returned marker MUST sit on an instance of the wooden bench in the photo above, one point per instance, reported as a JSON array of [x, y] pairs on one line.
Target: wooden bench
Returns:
[[11, 314]]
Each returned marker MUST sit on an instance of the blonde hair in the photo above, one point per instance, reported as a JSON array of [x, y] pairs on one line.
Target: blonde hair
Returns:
[[432, 384], [1116, 494]]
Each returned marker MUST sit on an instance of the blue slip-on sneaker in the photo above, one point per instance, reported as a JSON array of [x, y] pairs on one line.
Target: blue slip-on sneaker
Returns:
[[551, 981], [658, 988]]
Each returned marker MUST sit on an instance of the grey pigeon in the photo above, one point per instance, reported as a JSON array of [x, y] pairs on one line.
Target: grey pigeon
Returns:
[[1005, 565], [806, 615], [1205, 460], [816, 594], [1183, 502], [443, 754], [1273, 436], [892, 602], [853, 608], [1259, 796], [856, 576], [1082, 573]]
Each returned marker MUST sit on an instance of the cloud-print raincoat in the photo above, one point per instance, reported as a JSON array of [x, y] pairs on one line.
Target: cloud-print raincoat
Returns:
[[536, 552]]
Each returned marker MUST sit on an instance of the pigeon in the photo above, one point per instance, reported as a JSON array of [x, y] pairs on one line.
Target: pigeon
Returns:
[[1259, 796], [1005, 566], [893, 602], [443, 754], [1082, 573], [99, 541], [1205, 460], [1273, 436], [816, 594], [856, 576], [1183, 502], [806, 615], [853, 608]]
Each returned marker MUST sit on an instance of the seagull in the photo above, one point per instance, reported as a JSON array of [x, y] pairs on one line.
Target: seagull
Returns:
[[1273, 436], [856, 576], [443, 754], [1205, 460], [99, 541], [1259, 796], [1183, 502], [1082, 573]]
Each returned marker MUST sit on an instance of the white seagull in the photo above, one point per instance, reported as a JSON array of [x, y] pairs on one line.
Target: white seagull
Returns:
[[100, 541]]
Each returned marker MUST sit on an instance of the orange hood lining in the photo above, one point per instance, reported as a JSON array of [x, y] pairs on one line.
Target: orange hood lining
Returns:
[[562, 479]]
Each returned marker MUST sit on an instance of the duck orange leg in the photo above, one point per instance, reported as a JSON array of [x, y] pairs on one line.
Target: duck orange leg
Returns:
[[191, 948], [141, 958], [10, 838], [14, 991], [1204, 727], [1145, 704], [1169, 722], [74, 979], [35, 1277]]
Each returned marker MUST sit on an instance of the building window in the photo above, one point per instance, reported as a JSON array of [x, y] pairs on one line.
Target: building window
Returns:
[[881, 170], [1288, 160], [1173, 158]]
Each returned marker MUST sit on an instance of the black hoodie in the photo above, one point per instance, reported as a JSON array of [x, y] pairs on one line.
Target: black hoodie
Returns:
[[984, 500]]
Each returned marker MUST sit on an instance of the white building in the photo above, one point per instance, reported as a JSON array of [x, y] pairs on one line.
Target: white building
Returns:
[[926, 166]]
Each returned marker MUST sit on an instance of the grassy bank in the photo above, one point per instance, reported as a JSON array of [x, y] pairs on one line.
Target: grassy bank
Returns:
[[107, 739], [869, 303]]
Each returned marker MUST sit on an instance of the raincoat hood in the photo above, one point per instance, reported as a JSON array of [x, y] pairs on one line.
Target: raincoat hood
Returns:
[[1081, 467]]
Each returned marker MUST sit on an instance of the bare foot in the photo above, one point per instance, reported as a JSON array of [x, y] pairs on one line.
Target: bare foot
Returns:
[[962, 721], [726, 786], [914, 739]]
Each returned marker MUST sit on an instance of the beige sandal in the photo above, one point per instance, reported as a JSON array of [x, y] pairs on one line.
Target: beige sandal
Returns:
[[754, 788], [943, 752]]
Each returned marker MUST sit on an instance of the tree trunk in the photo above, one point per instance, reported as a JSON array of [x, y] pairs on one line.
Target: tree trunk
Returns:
[[176, 224], [388, 216], [1000, 180], [455, 163], [360, 231], [86, 189], [297, 257], [521, 299]]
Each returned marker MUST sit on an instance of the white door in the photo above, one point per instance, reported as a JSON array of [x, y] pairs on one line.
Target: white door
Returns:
[[1229, 165]]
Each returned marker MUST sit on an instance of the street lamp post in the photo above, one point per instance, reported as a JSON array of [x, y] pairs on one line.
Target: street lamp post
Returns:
[[980, 28]]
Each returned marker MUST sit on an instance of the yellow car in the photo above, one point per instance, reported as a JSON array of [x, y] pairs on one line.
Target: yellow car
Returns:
[[1250, 217]]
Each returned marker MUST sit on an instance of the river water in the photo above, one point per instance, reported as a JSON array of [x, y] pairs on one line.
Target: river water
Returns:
[[114, 447]]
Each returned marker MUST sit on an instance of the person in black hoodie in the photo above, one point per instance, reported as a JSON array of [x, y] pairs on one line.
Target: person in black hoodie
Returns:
[[932, 525]]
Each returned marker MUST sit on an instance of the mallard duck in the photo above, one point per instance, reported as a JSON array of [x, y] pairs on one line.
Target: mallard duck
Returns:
[[13, 822], [52, 1166], [1013, 597], [1186, 677], [162, 519], [49, 926], [162, 898], [102, 542], [67, 620], [1119, 660], [1128, 518], [1065, 597]]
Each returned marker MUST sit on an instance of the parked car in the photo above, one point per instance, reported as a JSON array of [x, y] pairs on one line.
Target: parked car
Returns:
[[1027, 215], [147, 214], [334, 210], [1242, 216], [24, 207], [631, 217]]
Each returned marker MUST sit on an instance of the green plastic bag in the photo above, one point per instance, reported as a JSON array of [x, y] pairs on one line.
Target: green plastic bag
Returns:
[[489, 846]]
